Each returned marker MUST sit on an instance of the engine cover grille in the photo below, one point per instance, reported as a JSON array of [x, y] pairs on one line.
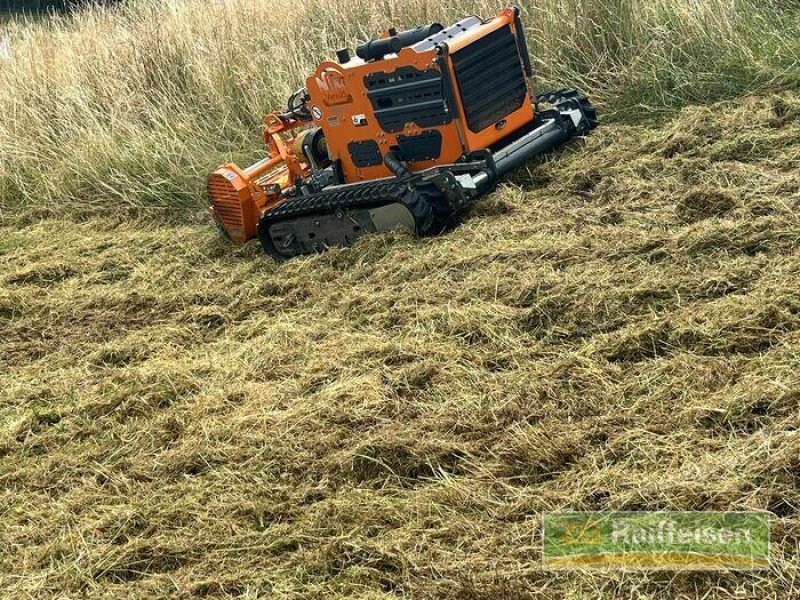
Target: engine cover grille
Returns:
[[490, 79]]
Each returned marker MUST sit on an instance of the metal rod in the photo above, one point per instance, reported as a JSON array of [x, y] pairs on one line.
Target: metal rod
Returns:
[[545, 137], [262, 167]]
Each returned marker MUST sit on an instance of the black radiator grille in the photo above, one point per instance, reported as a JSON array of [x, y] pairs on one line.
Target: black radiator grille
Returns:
[[490, 79]]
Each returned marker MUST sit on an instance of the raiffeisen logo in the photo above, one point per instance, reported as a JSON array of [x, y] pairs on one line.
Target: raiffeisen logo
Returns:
[[668, 532], [656, 540]]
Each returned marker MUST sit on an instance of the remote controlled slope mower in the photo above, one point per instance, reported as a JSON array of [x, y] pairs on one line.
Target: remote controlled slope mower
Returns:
[[406, 134]]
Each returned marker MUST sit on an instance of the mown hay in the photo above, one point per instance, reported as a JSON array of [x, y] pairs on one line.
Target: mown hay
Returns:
[[180, 416]]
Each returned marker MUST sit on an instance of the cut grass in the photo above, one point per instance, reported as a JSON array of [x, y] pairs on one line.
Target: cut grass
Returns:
[[618, 327], [615, 328]]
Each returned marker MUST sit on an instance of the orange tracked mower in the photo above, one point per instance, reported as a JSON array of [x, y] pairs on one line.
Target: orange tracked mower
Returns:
[[406, 134]]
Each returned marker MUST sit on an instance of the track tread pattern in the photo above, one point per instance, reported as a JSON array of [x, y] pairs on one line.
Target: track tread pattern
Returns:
[[431, 211]]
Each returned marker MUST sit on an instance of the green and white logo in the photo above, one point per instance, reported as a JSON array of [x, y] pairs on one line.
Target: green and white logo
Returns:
[[656, 540]]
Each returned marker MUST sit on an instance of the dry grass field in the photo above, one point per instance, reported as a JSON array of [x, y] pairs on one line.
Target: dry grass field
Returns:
[[618, 327]]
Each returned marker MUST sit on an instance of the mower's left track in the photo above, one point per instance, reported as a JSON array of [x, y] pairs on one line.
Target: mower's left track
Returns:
[[339, 215]]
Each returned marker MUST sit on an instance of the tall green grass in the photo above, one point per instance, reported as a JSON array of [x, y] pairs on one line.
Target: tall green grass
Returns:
[[132, 106]]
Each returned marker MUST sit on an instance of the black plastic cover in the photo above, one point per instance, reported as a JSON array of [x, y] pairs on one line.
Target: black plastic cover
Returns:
[[365, 154], [425, 146]]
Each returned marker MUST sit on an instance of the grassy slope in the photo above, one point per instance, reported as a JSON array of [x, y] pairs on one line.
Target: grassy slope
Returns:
[[619, 328]]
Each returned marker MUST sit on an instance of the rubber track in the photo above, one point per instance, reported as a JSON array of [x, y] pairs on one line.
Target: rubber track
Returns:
[[419, 199], [430, 210], [359, 196]]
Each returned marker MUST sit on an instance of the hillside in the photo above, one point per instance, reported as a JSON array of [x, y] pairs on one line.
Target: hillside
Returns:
[[614, 333], [617, 327]]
